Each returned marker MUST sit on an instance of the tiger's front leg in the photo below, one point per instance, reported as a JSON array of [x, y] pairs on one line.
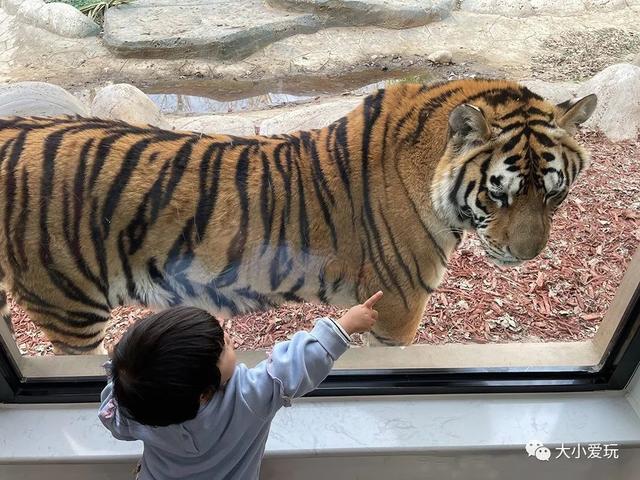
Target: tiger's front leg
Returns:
[[397, 323]]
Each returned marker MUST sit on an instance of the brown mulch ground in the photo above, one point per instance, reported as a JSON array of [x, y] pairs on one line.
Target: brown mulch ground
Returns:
[[577, 55], [562, 295]]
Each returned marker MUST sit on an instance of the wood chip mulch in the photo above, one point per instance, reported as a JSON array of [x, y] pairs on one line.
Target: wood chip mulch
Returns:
[[561, 296]]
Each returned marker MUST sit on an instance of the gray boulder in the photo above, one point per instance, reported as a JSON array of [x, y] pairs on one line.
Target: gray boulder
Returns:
[[618, 111], [38, 99], [59, 18], [127, 103]]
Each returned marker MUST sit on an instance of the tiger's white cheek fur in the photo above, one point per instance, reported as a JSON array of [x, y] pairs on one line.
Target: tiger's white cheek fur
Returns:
[[440, 199], [510, 183], [554, 180]]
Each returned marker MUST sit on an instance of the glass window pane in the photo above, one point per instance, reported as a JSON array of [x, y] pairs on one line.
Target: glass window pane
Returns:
[[278, 208]]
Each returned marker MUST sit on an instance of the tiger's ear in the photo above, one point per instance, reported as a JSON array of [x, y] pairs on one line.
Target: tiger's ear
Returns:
[[467, 124], [574, 112]]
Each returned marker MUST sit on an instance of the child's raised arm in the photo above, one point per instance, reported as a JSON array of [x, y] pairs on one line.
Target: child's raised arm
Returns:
[[299, 365]]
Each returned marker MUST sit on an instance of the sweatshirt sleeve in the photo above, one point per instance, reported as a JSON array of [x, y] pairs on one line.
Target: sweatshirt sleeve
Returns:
[[110, 416], [293, 369]]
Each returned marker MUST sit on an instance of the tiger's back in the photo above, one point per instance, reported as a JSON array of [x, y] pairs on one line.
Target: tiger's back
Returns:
[[97, 214]]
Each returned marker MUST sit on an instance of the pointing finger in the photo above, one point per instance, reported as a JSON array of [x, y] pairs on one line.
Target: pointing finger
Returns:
[[373, 299]]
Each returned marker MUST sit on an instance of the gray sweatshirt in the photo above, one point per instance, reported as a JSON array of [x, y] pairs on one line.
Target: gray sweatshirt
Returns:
[[226, 439]]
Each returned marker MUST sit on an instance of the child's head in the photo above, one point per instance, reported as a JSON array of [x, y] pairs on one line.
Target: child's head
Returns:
[[166, 364]]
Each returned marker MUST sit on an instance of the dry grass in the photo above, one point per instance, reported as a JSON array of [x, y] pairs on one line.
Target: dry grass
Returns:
[[578, 55]]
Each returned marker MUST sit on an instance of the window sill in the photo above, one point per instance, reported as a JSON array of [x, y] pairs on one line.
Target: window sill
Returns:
[[352, 426], [503, 355]]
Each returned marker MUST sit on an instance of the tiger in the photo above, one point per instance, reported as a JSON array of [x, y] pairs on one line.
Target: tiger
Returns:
[[97, 213]]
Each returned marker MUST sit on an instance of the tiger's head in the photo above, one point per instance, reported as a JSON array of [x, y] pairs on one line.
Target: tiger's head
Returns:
[[510, 160]]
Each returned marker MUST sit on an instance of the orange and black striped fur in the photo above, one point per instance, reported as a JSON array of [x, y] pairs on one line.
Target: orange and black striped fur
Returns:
[[97, 213]]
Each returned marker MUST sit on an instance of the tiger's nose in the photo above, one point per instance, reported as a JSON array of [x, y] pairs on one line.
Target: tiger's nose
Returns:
[[525, 251], [528, 239]]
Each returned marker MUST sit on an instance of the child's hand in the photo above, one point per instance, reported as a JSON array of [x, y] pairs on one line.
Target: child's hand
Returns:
[[361, 318]]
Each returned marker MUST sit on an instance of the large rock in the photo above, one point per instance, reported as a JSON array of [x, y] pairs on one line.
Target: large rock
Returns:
[[526, 8], [67, 21], [222, 29], [11, 6], [383, 13], [234, 29], [229, 123], [555, 92], [59, 18], [618, 91], [442, 57], [308, 117], [268, 122], [39, 99], [126, 102]]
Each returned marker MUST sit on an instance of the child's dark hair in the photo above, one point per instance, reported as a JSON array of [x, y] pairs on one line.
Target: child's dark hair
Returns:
[[164, 363]]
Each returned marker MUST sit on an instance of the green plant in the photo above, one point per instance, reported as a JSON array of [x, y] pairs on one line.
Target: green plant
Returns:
[[74, 3], [95, 10]]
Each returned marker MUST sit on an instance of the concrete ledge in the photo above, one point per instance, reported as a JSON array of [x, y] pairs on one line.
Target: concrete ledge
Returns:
[[510, 355], [361, 426]]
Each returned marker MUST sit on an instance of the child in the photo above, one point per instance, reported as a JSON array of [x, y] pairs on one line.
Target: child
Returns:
[[176, 386]]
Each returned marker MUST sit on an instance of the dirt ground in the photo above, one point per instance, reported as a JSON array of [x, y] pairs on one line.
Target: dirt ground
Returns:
[[562, 295], [576, 55], [562, 48]]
